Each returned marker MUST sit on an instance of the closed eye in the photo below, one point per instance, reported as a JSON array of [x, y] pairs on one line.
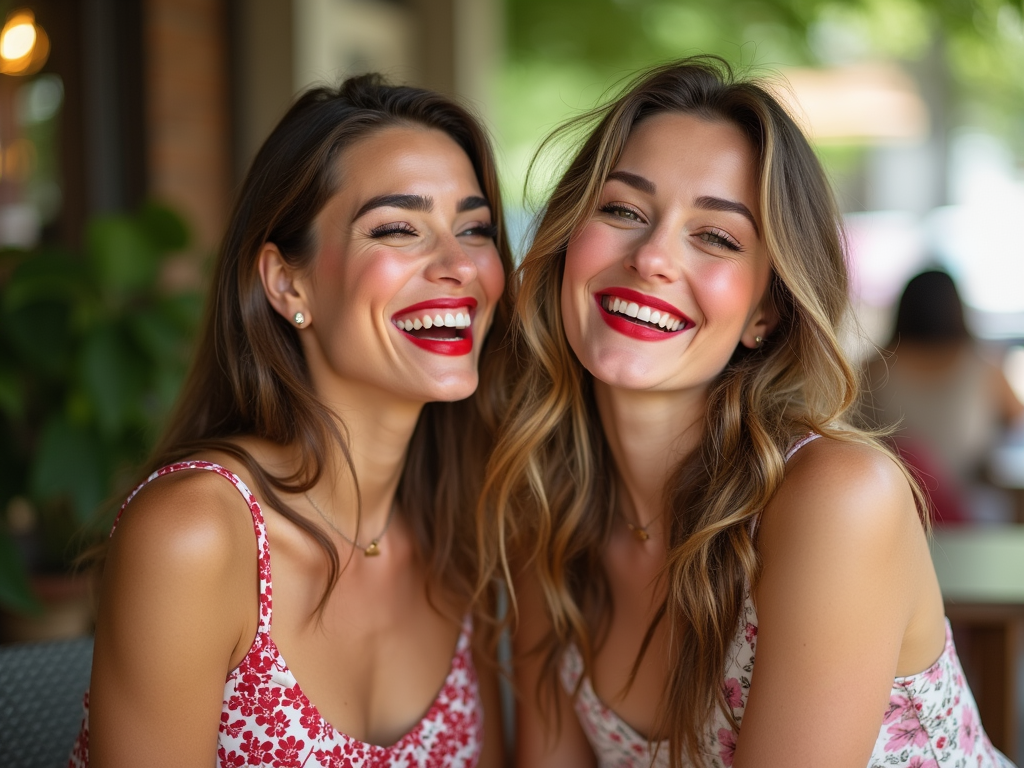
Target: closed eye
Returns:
[[618, 210], [398, 228], [488, 231]]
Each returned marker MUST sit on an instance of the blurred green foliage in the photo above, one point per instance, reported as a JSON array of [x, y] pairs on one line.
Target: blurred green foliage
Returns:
[[92, 353], [564, 55]]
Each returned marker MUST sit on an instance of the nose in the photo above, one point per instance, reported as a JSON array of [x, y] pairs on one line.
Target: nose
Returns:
[[656, 258], [450, 263]]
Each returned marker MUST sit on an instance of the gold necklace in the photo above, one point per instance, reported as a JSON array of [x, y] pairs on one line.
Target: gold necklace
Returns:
[[640, 531], [370, 550]]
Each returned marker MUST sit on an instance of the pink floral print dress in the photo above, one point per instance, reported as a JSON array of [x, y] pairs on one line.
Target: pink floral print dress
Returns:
[[932, 720], [266, 719]]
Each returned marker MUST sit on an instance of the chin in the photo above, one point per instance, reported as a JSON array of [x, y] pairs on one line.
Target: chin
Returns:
[[452, 387], [623, 371]]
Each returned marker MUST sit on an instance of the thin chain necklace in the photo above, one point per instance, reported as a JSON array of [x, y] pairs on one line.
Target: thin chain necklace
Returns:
[[640, 532], [370, 550]]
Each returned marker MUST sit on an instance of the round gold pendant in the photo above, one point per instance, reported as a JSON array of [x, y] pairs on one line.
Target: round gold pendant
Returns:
[[372, 550]]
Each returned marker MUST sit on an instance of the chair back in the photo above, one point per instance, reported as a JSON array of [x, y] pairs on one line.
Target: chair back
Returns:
[[41, 689]]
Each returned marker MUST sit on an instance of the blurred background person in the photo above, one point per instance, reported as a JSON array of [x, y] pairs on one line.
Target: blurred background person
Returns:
[[951, 403]]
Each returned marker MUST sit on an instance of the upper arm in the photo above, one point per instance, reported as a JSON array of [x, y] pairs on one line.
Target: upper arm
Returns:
[[176, 595], [1010, 407], [833, 603], [539, 744]]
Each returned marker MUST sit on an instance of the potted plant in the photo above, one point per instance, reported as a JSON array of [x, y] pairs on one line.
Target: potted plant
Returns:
[[92, 352]]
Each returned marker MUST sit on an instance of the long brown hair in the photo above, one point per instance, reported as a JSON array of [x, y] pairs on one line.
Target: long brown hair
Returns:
[[549, 495], [249, 376]]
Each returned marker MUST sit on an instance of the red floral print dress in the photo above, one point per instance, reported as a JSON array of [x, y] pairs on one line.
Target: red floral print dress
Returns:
[[266, 719], [932, 720]]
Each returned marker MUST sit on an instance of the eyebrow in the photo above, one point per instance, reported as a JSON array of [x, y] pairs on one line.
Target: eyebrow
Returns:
[[422, 203], [636, 182], [406, 202], [471, 203], [709, 203], [704, 202]]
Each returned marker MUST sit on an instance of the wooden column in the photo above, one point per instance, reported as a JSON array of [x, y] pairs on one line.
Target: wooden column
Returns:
[[188, 113]]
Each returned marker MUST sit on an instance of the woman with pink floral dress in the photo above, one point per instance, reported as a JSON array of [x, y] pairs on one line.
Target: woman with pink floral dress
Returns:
[[710, 564], [292, 584]]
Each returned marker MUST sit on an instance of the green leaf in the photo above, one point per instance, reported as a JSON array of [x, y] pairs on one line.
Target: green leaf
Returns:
[[123, 256], [48, 276], [41, 333], [186, 309], [165, 228], [15, 591], [158, 334], [68, 463], [113, 375], [12, 398]]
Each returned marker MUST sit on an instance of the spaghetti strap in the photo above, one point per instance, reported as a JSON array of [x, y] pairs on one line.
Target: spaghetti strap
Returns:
[[801, 443], [258, 524]]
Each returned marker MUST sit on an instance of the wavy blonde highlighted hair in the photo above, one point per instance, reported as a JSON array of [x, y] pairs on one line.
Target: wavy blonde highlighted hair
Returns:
[[549, 498]]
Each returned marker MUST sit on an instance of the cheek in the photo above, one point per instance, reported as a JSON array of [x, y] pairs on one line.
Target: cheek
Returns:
[[727, 291], [592, 250], [588, 254], [491, 275], [353, 282]]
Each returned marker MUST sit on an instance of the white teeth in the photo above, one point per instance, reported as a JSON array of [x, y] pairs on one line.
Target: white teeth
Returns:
[[458, 319], [642, 313]]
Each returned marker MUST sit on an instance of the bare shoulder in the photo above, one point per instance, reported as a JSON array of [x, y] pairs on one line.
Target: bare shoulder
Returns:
[[177, 594], [190, 517], [841, 493]]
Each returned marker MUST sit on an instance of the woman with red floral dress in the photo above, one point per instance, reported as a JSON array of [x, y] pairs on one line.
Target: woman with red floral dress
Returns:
[[292, 583]]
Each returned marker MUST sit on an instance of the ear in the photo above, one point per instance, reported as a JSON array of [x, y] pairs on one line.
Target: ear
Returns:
[[763, 322], [284, 287]]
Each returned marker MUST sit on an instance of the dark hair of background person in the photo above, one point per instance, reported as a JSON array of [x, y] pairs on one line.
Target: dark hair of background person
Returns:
[[930, 311], [549, 496], [249, 376]]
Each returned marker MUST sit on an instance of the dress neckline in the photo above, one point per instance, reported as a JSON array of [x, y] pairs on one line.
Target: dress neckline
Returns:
[[263, 641], [287, 680]]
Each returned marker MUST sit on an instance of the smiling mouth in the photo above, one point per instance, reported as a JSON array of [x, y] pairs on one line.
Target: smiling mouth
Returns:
[[642, 315], [449, 324]]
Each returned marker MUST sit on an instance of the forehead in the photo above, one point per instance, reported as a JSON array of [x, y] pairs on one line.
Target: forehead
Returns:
[[680, 152], [407, 159]]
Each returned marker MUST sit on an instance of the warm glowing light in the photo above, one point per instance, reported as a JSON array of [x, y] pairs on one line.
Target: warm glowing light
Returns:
[[24, 46], [17, 41], [865, 103]]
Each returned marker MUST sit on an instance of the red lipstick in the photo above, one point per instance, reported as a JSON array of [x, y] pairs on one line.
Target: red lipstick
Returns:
[[461, 344], [643, 332]]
